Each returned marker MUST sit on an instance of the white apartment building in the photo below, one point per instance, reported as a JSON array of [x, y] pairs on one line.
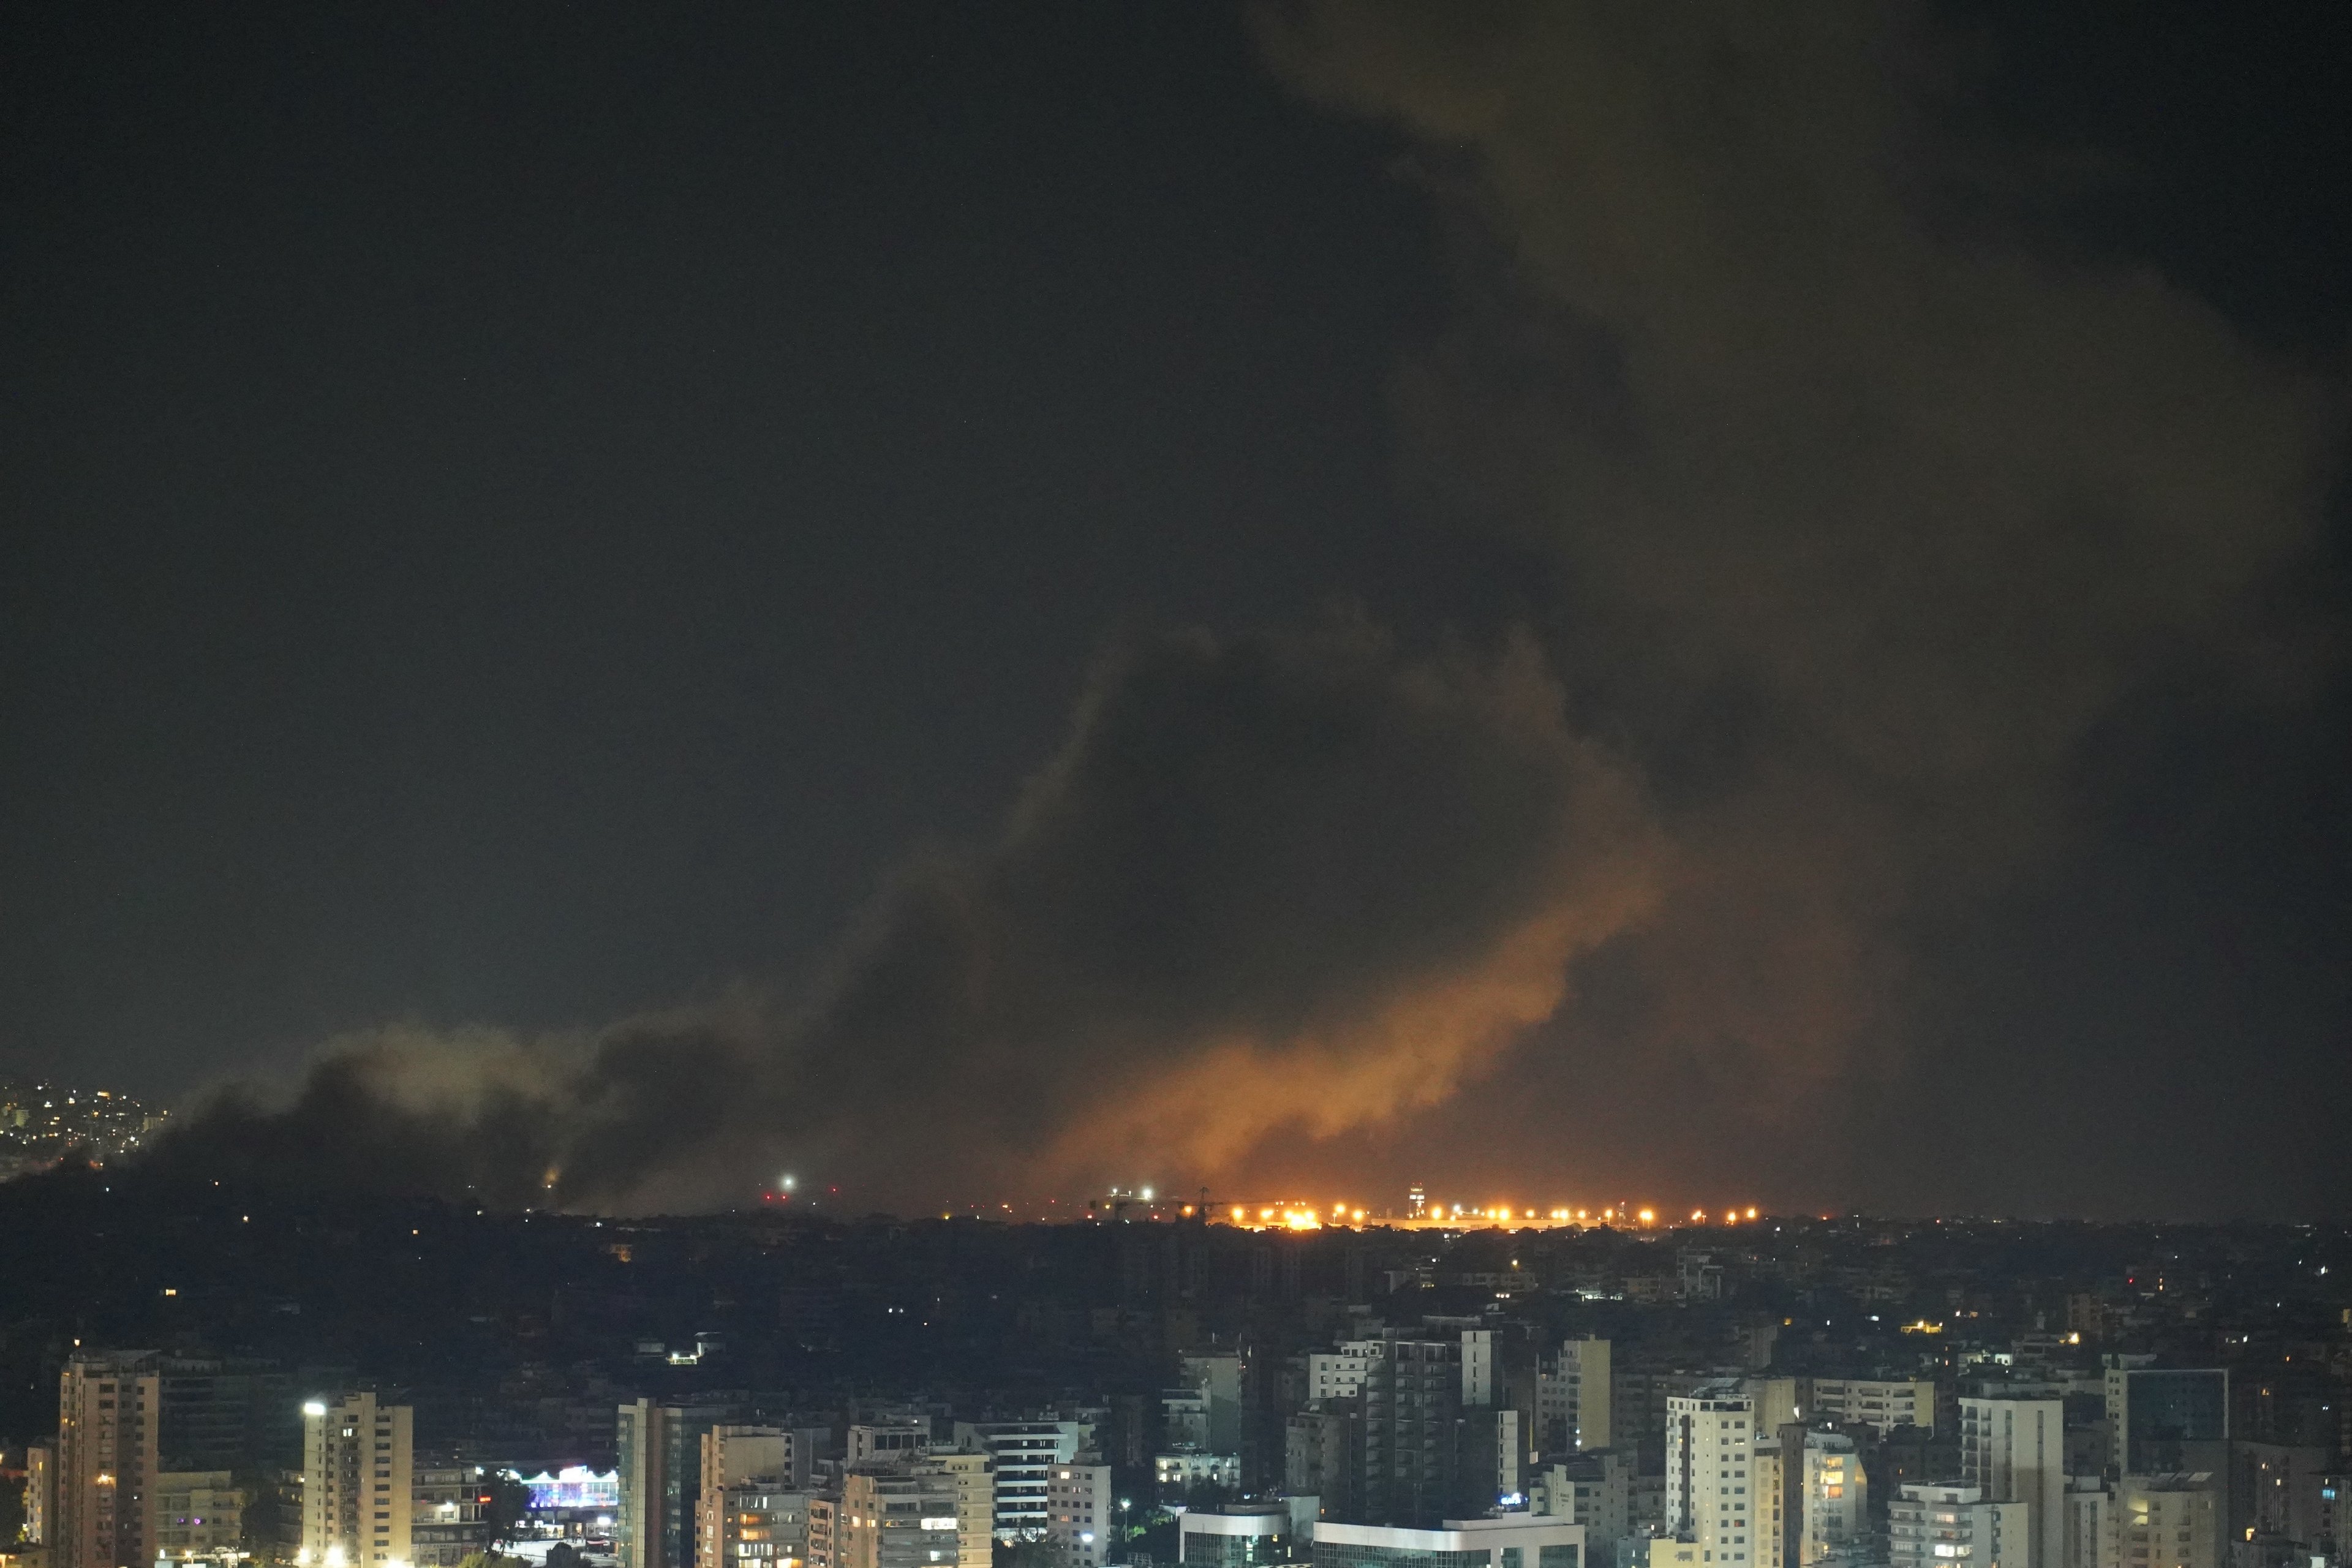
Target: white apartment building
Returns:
[[1595, 1491], [2168, 1521], [2014, 1450], [1881, 1403], [1080, 1515], [1954, 1526], [358, 1482], [1331, 1374], [1710, 1445], [1572, 1398], [1022, 1454], [1477, 1369]]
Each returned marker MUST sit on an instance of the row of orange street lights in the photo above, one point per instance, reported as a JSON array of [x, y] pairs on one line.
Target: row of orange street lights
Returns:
[[1295, 1215], [1301, 1216]]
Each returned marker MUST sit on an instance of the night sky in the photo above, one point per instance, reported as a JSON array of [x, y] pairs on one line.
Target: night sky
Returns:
[[1567, 601]]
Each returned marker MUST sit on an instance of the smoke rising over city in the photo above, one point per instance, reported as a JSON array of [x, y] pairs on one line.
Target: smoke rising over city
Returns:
[[1636, 751], [1291, 882]]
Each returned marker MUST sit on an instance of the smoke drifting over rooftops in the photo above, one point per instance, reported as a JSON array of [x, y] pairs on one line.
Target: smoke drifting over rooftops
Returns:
[[1301, 881]]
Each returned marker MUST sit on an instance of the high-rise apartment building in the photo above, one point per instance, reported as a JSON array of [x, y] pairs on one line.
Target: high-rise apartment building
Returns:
[[1832, 1495], [109, 1410], [359, 1477], [1954, 1526], [895, 1518], [1022, 1455], [1423, 1455], [243, 1417], [1711, 1445], [1217, 1376], [1080, 1515], [1323, 1453], [1776, 1509], [1572, 1398], [659, 1449], [2162, 1420], [973, 1473], [2167, 1521], [755, 1524], [40, 1494], [2014, 1450], [732, 1458]]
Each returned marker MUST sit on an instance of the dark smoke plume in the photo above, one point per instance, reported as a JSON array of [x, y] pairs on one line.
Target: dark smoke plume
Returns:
[[1864, 510], [1299, 881]]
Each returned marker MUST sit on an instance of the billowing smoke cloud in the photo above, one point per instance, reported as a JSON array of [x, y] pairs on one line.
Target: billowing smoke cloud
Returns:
[[1299, 881], [1863, 512]]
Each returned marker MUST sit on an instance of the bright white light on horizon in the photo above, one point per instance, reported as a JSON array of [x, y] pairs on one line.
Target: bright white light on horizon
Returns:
[[1147, 1195], [788, 1182], [314, 1408]]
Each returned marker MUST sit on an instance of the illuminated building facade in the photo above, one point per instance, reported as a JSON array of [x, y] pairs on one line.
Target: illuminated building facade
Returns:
[[40, 1494], [1710, 1449], [448, 1515], [733, 1458], [358, 1482], [895, 1518], [109, 1412], [1832, 1495], [1079, 1515], [756, 1524], [1939, 1526]]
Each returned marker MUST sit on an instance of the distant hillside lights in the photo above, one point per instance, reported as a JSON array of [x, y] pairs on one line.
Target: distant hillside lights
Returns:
[[42, 1123]]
